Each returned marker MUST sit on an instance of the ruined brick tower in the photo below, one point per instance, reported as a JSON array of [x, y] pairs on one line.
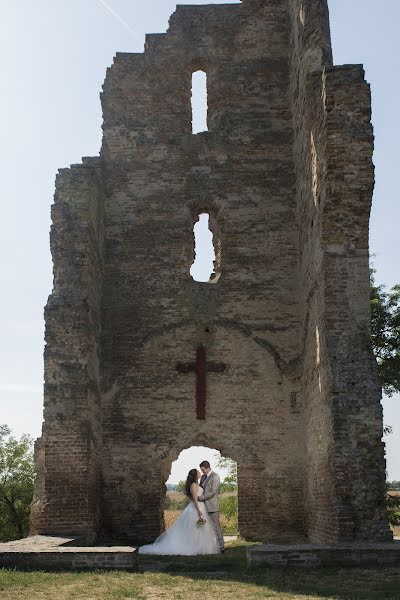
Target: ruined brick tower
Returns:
[[285, 173]]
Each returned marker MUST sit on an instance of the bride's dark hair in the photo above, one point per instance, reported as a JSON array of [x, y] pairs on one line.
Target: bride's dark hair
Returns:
[[191, 478]]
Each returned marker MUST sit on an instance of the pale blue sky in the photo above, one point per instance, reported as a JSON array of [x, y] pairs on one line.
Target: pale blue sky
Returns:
[[54, 57]]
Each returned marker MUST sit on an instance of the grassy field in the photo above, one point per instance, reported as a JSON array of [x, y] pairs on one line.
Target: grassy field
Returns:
[[209, 578], [223, 577], [229, 525]]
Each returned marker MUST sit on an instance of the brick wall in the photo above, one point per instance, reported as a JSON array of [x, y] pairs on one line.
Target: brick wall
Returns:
[[68, 456], [298, 404], [342, 412]]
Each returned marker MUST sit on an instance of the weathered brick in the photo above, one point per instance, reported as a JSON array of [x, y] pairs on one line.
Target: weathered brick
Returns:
[[285, 172]]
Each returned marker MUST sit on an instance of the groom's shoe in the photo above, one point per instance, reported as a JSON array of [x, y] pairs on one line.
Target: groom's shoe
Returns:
[[222, 550]]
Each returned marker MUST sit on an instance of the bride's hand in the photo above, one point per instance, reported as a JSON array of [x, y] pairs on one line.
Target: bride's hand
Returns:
[[200, 514]]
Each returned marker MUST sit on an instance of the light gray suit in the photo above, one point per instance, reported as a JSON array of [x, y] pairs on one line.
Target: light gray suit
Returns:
[[211, 501]]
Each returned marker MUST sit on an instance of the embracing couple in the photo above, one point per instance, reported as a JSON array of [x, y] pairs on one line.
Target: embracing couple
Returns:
[[197, 530]]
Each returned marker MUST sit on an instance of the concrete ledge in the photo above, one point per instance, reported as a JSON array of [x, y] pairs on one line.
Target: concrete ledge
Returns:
[[52, 553], [321, 555]]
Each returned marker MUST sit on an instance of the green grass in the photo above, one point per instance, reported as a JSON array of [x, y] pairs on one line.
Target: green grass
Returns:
[[206, 577]]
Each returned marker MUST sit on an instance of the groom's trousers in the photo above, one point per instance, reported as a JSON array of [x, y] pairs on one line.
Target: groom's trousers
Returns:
[[214, 517]]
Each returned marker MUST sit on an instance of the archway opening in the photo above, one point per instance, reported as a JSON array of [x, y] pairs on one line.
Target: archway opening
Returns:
[[176, 500]]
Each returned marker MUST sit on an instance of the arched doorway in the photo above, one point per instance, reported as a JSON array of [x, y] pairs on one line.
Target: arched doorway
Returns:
[[175, 500]]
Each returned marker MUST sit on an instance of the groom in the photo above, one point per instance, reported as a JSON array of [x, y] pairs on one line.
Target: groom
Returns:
[[210, 483]]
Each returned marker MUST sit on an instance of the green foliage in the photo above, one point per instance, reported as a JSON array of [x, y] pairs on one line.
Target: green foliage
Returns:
[[181, 487], [16, 484], [228, 485], [385, 332], [229, 465], [229, 525], [228, 505], [393, 485], [393, 509]]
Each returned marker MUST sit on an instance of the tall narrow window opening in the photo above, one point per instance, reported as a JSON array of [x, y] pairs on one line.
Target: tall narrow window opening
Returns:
[[199, 102], [203, 267]]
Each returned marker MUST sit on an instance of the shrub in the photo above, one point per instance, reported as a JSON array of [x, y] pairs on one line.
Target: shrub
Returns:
[[228, 506], [393, 485], [16, 484], [229, 525], [393, 509]]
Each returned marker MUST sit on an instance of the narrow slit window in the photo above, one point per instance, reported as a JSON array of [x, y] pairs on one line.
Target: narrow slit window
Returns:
[[203, 267], [199, 102]]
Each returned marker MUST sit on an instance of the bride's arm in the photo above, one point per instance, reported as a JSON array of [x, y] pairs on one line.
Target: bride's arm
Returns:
[[194, 490]]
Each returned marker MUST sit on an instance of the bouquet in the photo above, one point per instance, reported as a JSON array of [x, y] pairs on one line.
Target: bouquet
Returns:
[[201, 521]]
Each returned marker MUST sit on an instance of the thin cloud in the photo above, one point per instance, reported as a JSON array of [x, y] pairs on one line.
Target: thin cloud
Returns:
[[200, 96], [118, 17]]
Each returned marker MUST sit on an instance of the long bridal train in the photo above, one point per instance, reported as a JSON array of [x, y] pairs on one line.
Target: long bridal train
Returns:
[[185, 536]]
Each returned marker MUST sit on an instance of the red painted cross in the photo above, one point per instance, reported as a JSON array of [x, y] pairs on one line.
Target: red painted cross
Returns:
[[200, 367]]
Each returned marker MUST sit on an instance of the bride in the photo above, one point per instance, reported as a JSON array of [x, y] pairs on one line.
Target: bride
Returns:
[[192, 533]]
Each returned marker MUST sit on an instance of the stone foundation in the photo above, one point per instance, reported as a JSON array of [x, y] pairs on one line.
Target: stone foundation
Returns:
[[53, 553], [319, 555]]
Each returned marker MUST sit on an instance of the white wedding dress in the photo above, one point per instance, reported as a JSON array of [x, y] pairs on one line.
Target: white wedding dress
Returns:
[[185, 536]]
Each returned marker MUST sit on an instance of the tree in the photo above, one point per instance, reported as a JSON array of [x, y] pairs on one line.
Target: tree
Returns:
[[230, 482], [16, 484], [180, 487], [385, 332], [393, 485], [393, 507]]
